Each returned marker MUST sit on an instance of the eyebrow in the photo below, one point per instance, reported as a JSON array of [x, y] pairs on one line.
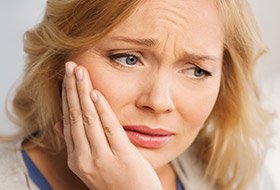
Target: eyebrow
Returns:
[[199, 57], [150, 42]]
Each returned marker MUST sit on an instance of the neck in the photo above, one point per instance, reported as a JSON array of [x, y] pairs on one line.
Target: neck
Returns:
[[167, 176], [54, 168]]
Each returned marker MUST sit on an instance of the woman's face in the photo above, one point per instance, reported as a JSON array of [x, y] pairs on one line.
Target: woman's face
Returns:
[[161, 68]]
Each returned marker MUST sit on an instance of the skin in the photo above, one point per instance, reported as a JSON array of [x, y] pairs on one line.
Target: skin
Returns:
[[161, 90], [172, 84]]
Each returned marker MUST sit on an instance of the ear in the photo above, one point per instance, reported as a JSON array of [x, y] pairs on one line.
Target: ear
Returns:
[[58, 126]]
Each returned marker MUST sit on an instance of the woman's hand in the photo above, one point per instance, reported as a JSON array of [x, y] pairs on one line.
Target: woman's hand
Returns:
[[99, 151]]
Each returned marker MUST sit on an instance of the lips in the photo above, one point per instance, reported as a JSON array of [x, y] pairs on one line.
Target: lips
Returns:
[[147, 137]]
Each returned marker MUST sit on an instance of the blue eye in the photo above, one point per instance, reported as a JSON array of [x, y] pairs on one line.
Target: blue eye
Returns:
[[131, 60], [125, 59], [197, 73]]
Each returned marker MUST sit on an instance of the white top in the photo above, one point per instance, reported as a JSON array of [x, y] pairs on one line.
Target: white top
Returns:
[[14, 174]]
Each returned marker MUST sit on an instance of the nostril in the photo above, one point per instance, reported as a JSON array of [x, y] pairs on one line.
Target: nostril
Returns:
[[156, 109], [147, 107]]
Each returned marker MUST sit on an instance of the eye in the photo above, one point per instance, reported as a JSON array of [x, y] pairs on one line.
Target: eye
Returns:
[[126, 60], [197, 73]]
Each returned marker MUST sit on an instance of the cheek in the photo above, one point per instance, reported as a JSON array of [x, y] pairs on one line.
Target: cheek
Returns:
[[106, 84], [114, 86], [196, 105], [193, 106]]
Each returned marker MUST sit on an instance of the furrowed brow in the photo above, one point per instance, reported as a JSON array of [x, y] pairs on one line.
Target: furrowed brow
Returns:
[[149, 42], [199, 57]]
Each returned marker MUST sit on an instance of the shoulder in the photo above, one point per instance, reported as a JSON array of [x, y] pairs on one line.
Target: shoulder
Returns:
[[8, 158], [190, 172], [12, 171], [263, 181]]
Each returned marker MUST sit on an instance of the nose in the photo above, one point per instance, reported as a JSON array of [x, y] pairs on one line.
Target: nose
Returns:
[[156, 95]]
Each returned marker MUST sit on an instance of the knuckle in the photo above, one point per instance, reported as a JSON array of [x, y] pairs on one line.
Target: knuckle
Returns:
[[98, 164], [88, 118], [101, 164], [82, 167], [78, 165], [109, 128], [74, 116], [65, 121]]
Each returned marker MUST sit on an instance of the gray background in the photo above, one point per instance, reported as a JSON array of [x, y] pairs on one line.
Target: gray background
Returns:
[[16, 16]]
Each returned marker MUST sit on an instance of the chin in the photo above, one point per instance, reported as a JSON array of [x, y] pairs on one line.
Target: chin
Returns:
[[158, 158]]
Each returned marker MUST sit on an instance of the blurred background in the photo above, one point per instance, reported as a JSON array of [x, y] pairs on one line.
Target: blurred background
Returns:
[[17, 16]]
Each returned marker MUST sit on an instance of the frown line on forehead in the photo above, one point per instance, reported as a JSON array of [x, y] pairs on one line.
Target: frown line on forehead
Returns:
[[150, 42]]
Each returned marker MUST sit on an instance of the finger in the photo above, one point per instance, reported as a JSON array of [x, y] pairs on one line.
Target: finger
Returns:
[[58, 126], [80, 141], [115, 133], [93, 128], [66, 124]]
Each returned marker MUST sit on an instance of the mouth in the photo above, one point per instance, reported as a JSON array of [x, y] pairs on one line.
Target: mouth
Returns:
[[147, 137]]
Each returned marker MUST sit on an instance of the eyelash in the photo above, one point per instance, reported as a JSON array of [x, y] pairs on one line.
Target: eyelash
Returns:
[[204, 75], [113, 58]]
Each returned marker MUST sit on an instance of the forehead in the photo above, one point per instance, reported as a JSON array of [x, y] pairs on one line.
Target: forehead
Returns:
[[194, 24]]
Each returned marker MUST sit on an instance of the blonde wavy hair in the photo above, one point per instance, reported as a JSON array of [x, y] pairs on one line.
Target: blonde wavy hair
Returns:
[[234, 141]]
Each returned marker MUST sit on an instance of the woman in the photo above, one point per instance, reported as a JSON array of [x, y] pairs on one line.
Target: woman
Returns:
[[135, 94]]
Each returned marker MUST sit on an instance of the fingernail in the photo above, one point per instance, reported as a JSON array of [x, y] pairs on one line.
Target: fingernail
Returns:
[[69, 69], [94, 96], [79, 73]]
